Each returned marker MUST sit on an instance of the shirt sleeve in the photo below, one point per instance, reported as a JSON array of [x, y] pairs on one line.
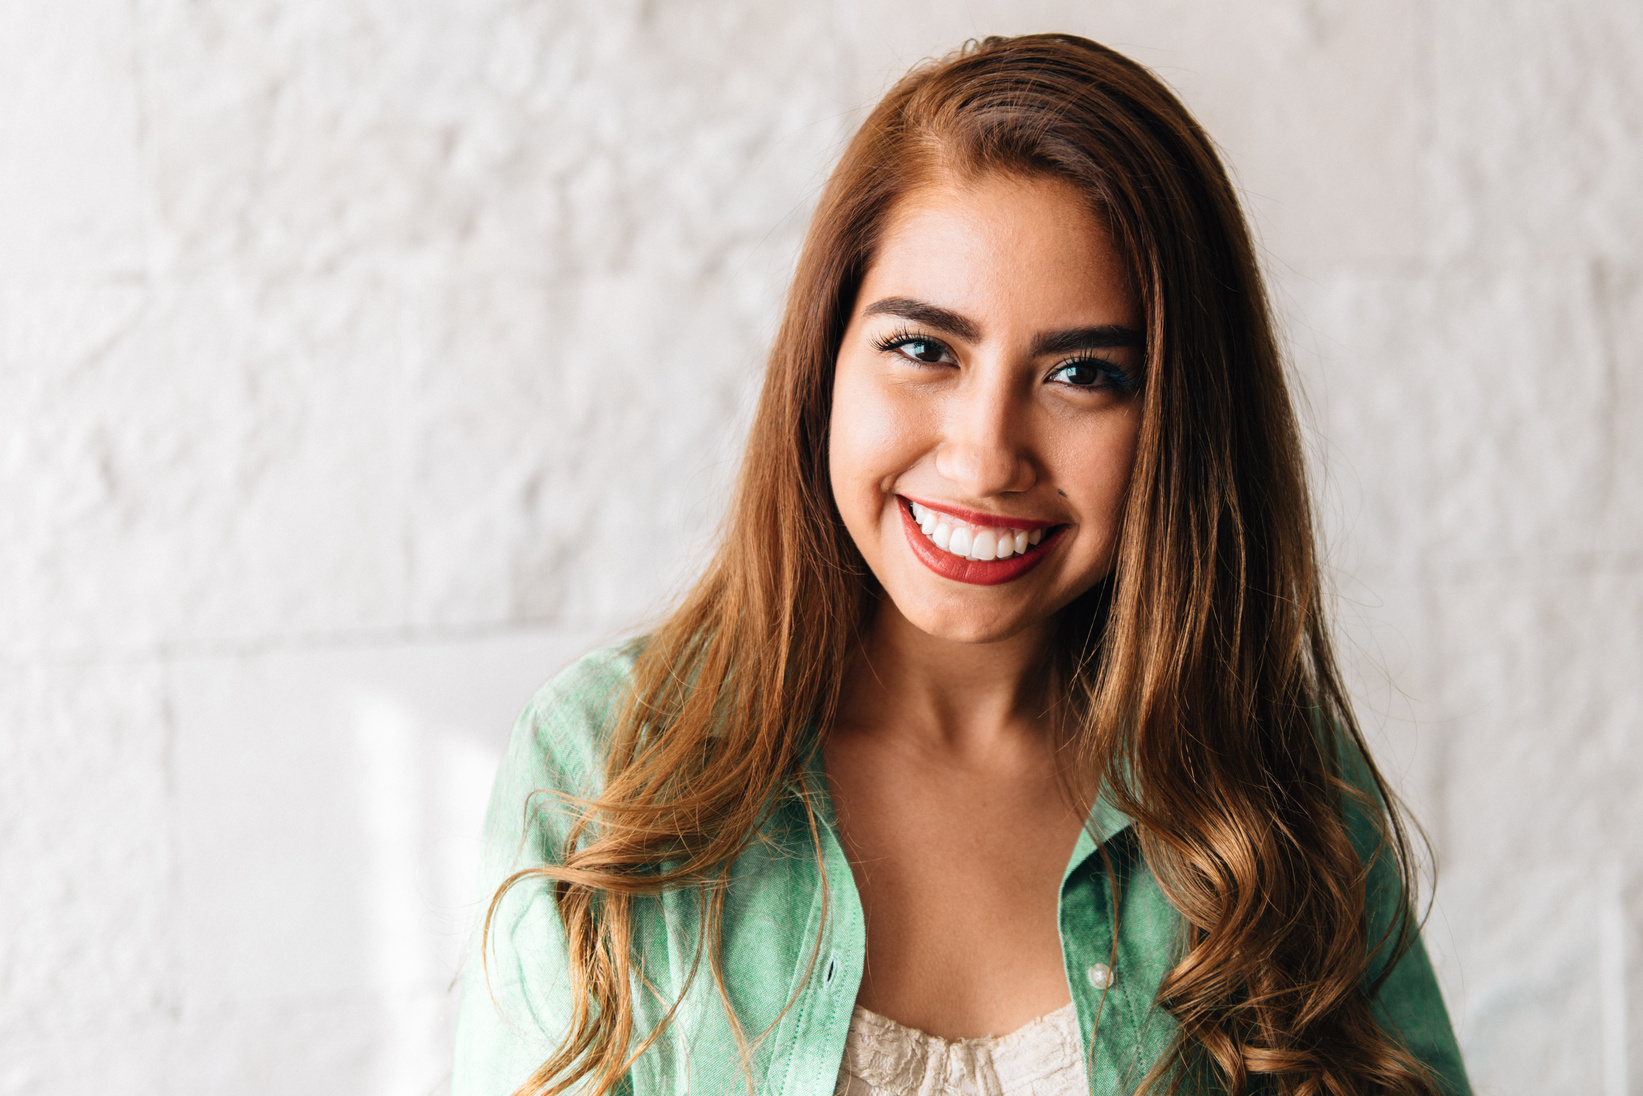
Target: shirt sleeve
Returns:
[[516, 993], [1408, 1002]]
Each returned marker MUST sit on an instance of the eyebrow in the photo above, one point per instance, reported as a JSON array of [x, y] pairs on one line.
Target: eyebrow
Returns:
[[1098, 337], [930, 315]]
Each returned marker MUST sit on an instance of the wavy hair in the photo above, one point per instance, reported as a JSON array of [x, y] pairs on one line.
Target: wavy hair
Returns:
[[1201, 678]]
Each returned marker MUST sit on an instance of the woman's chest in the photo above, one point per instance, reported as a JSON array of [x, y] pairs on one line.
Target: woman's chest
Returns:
[[795, 961], [958, 873]]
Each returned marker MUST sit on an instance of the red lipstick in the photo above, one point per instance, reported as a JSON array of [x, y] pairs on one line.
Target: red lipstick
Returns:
[[976, 572]]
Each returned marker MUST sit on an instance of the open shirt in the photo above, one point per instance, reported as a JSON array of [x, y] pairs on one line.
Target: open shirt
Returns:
[[793, 949]]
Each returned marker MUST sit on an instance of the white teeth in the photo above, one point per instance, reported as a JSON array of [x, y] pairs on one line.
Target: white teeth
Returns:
[[972, 542], [925, 517]]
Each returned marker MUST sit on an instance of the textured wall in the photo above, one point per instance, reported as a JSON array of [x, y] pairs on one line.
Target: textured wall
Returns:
[[361, 362]]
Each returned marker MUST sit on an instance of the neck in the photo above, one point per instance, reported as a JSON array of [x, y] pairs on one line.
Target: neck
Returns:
[[966, 697]]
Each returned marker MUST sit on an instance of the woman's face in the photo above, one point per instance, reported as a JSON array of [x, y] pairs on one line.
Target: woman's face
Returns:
[[984, 407]]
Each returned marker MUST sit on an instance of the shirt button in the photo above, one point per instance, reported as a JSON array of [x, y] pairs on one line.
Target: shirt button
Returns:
[[1100, 975]]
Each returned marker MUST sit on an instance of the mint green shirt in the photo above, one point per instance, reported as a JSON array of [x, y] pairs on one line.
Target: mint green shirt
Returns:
[[510, 1022]]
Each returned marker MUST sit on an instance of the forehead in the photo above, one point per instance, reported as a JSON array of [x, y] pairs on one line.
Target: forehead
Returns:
[[1028, 249]]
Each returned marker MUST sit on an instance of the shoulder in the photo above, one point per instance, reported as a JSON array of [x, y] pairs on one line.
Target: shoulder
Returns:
[[567, 722], [556, 756], [1367, 814]]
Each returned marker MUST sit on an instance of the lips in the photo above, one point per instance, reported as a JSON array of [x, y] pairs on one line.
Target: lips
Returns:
[[976, 572]]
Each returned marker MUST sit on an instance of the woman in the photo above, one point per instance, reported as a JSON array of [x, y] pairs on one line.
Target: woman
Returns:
[[1002, 745]]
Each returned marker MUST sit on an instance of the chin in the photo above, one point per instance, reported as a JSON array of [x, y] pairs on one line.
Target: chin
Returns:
[[966, 625]]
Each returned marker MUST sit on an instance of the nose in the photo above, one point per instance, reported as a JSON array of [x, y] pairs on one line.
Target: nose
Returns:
[[984, 449]]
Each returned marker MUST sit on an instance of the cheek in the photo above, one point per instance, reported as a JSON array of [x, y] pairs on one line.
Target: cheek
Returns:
[[1098, 468], [872, 439]]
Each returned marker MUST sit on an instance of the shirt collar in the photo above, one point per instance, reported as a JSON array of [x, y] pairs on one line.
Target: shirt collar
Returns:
[[1105, 821]]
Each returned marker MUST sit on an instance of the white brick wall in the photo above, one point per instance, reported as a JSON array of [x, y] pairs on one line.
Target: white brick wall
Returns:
[[361, 362]]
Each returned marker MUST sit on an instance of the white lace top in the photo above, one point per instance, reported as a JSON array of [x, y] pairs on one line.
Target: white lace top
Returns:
[[883, 1058]]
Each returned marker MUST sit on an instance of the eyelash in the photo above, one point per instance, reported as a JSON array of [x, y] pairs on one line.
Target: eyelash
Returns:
[[903, 337], [1119, 376]]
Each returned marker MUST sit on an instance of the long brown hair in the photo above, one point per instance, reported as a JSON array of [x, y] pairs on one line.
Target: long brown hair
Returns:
[[1201, 674]]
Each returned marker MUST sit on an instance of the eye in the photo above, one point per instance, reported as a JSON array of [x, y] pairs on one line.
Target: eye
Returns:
[[1092, 373], [919, 348]]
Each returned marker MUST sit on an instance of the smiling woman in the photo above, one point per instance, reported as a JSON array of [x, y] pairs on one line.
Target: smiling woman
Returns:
[[1001, 749]]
